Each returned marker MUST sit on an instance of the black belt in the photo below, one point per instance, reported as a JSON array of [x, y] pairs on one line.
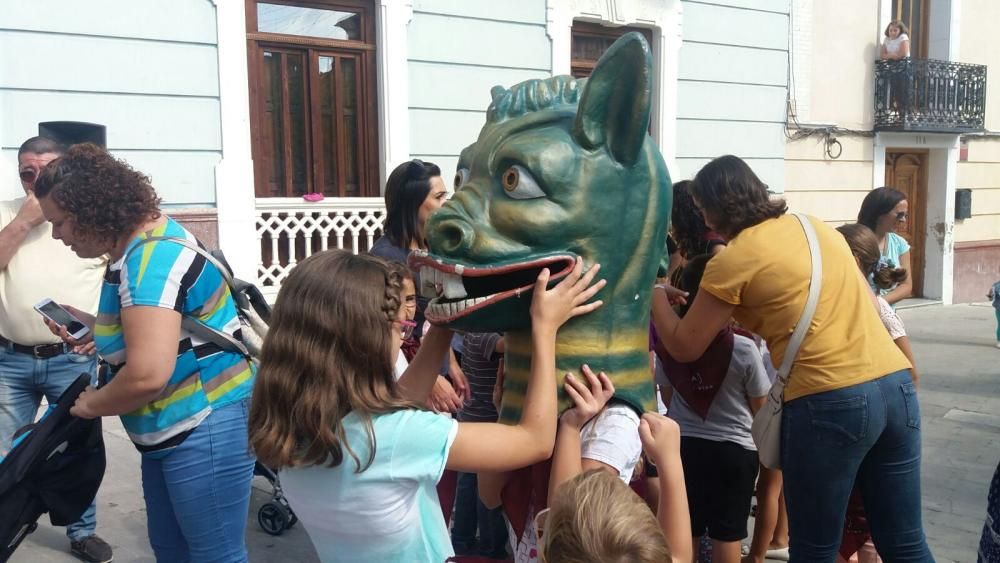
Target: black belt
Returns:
[[42, 351]]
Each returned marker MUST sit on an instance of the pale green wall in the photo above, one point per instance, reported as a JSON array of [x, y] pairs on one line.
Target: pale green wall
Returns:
[[732, 84], [458, 50], [731, 88], [147, 69]]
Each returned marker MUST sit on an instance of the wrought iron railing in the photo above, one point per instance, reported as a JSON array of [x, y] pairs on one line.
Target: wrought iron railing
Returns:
[[290, 230], [929, 95]]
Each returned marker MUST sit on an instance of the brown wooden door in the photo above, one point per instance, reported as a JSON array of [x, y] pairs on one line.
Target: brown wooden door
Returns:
[[907, 172]]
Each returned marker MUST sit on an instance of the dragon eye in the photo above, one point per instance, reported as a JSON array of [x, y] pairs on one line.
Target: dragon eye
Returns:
[[461, 177], [519, 184]]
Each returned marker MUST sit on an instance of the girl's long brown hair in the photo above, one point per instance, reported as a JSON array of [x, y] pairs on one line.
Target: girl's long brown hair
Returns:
[[864, 246], [327, 354]]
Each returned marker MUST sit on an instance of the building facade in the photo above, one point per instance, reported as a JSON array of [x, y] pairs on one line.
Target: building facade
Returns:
[[238, 108], [841, 146]]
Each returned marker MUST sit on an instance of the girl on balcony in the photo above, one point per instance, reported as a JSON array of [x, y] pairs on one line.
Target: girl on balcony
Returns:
[[896, 44]]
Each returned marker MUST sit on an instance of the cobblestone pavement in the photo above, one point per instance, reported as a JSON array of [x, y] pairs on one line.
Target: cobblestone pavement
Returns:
[[960, 401]]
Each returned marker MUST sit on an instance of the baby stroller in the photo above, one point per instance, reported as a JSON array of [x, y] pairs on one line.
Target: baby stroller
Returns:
[[274, 516], [55, 465]]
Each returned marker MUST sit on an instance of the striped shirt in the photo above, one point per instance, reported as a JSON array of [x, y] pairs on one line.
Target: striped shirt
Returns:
[[479, 364], [168, 275]]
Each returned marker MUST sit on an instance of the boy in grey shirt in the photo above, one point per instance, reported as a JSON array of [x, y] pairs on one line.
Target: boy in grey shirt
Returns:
[[713, 400]]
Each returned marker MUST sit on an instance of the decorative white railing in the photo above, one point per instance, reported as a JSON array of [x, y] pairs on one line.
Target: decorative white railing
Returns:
[[290, 230]]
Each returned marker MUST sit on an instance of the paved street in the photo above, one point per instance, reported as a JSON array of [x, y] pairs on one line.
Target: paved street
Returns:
[[960, 415], [960, 401]]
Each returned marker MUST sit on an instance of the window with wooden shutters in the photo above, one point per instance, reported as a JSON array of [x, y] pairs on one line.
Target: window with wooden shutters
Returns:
[[590, 40], [312, 89]]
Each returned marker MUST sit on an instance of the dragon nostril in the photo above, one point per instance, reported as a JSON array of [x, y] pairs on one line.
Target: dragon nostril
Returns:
[[454, 236]]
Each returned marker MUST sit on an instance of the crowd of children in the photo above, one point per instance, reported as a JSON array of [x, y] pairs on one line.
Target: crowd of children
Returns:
[[363, 408], [363, 458]]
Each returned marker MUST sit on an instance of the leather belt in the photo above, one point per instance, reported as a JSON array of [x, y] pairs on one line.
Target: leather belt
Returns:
[[42, 351]]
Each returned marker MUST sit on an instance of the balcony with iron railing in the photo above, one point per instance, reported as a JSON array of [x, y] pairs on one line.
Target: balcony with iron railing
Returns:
[[929, 96]]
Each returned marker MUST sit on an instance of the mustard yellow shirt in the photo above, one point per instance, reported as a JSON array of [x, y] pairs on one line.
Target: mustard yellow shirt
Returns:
[[765, 273]]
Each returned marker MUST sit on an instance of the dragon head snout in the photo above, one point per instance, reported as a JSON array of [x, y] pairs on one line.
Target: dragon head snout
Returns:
[[452, 236]]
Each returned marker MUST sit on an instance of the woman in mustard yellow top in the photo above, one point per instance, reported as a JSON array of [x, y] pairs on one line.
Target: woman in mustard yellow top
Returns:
[[851, 410]]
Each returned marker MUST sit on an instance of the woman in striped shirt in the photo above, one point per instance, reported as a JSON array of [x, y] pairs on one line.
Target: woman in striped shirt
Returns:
[[183, 400]]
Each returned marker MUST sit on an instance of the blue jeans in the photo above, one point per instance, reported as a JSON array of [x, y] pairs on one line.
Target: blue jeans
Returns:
[[197, 497], [471, 514], [997, 311], [869, 434], [24, 380]]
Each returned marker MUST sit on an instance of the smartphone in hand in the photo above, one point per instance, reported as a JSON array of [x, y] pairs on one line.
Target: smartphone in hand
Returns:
[[55, 313]]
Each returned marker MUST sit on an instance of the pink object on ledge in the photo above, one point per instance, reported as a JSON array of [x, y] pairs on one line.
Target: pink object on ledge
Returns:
[[313, 197]]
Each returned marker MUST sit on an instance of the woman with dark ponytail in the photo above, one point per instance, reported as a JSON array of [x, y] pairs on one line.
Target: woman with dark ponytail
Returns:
[[882, 211]]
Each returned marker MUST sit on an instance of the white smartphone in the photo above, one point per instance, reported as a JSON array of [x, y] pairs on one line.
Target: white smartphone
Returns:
[[52, 311]]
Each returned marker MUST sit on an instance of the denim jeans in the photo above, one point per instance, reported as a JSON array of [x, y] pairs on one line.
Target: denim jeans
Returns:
[[197, 497], [869, 433], [997, 311], [471, 514], [24, 380]]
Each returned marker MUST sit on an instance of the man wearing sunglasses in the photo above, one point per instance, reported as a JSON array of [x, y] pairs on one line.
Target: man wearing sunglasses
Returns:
[[33, 361]]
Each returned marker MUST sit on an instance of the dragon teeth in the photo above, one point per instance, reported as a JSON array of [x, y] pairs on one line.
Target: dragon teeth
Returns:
[[453, 308], [428, 282], [453, 287], [435, 283]]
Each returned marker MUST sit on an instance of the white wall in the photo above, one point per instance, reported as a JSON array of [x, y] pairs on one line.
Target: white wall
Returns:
[[732, 84], [148, 70], [457, 51]]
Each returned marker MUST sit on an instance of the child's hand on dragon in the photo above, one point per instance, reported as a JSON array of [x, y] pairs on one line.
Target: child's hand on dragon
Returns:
[[588, 400]]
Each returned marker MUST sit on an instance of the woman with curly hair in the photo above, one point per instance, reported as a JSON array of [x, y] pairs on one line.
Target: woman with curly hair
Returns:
[[851, 413], [183, 400]]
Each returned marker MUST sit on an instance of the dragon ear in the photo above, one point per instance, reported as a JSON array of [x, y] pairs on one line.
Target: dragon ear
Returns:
[[616, 101]]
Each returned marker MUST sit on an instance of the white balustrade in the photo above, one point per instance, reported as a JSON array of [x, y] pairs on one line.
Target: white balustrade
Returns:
[[290, 230]]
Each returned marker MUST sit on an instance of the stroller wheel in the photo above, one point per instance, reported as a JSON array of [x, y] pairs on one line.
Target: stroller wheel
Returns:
[[273, 518]]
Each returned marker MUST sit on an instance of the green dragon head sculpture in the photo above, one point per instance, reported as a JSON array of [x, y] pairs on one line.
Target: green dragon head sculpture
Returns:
[[562, 168]]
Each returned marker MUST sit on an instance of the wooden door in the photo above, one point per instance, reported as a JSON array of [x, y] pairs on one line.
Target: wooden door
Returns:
[[907, 172]]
